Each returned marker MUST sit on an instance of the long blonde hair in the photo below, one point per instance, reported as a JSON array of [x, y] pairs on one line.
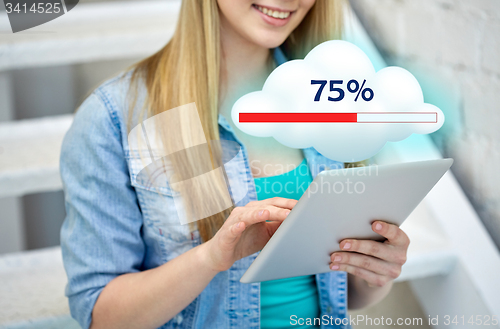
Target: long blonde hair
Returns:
[[187, 70]]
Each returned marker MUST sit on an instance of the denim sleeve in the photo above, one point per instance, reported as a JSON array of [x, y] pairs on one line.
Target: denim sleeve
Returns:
[[101, 235]]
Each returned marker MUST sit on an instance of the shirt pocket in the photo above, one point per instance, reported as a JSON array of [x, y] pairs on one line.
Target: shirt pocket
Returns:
[[161, 209]]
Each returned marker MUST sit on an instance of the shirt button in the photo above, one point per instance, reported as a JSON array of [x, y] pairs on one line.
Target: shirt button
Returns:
[[329, 309], [178, 318]]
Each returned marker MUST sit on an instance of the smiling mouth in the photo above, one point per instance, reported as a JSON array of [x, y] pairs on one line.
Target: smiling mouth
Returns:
[[273, 13]]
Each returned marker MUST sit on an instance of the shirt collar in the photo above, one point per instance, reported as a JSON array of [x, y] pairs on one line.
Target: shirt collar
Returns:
[[279, 56]]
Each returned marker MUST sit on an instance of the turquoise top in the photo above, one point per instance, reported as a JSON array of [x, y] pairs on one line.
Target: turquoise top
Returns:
[[280, 299]]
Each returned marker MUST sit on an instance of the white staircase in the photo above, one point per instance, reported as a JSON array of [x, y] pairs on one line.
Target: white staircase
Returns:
[[32, 283]]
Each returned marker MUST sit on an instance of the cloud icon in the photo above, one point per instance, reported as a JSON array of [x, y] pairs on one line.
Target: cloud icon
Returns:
[[334, 101]]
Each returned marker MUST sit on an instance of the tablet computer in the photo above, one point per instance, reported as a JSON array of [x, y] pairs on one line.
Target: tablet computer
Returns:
[[341, 204]]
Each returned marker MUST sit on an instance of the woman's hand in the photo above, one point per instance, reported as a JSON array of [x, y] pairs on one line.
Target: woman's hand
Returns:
[[246, 231], [378, 263]]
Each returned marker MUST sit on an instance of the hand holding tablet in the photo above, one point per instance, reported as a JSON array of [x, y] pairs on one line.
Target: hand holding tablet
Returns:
[[342, 204], [375, 262]]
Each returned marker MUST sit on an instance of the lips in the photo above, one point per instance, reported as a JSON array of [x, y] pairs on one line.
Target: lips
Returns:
[[274, 16], [273, 13]]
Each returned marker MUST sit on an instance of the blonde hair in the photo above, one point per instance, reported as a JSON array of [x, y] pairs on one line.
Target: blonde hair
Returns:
[[187, 70]]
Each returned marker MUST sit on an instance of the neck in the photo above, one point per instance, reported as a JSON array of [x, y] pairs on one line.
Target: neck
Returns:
[[244, 68]]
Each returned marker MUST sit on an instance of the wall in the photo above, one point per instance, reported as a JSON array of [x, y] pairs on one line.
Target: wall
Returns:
[[452, 47]]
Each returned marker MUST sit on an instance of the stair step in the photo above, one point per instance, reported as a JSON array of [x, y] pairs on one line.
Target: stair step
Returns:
[[91, 32], [29, 155]]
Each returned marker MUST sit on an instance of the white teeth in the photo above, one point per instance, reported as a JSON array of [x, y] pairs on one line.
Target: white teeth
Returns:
[[275, 13]]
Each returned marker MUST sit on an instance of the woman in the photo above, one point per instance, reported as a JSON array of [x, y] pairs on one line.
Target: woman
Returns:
[[129, 262]]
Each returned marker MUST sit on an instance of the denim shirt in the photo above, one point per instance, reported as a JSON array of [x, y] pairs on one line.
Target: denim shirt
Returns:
[[114, 226]]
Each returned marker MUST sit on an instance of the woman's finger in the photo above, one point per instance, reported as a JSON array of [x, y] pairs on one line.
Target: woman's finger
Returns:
[[281, 202], [229, 235], [277, 213], [370, 248], [257, 215], [235, 231], [394, 235], [370, 277], [369, 263], [272, 227], [380, 250]]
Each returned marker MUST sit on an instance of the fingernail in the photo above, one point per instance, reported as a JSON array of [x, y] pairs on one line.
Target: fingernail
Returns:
[[378, 227], [347, 245], [337, 259], [261, 212], [334, 267], [238, 225], [286, 214]]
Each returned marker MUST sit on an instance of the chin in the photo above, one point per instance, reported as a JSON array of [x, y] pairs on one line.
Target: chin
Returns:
[[270, 40]]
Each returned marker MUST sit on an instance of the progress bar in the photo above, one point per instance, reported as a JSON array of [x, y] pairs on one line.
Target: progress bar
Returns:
[[360, 117]]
